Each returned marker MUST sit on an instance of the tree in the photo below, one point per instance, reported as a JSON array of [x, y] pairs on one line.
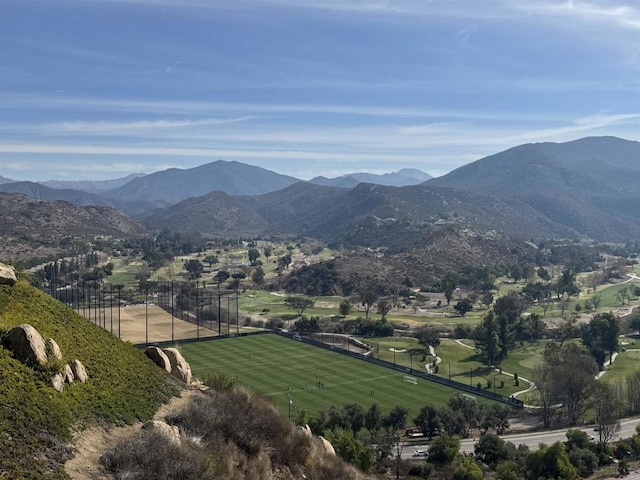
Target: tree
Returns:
[[634, 324], [428, 421], [299, 303], [443, 449], [253, 255], [601, 336], [487, 340], [258, 276], [194, 267], [491, 450], [463, 306], [356, 415], [428, 336], [345, 307], [543, 378], [468, 469], [574, 372], [373, 419], [267, 251], [395, 420], [211, 260], [237, 278], [384, 306], [550, 462], [284, 262], [351, 449], [448, 284], [368, 298]]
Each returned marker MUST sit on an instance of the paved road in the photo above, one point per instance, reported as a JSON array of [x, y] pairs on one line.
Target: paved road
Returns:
[[533, 439]]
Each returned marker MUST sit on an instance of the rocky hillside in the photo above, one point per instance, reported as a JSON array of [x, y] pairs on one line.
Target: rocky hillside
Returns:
[[36, 421], [32, 228]]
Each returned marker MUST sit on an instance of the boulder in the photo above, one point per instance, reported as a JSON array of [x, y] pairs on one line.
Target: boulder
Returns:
[[307, 431], [68, 374], [57, 382], [54, 349], [171, 433], [180, 368], [159, 358], [327, 445], [79, 372], [26, 344], [7, 274]]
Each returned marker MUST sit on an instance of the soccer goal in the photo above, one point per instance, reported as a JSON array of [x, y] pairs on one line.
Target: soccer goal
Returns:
[[408, 379]]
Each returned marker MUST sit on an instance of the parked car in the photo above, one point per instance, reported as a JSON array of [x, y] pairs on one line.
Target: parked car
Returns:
[[420, 453]]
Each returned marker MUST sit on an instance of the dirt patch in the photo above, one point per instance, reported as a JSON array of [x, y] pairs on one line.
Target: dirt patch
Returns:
[[162, 327], [92, 443]]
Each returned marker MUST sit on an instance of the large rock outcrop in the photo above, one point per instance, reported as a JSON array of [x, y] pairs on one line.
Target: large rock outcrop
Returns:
[[180, 368], [159, 358], [7, 274], [327, 445], [26, 344]]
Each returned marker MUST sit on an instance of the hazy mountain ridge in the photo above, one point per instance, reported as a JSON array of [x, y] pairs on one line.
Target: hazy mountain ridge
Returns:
[[401, 178], [42, 192], [91, 186]]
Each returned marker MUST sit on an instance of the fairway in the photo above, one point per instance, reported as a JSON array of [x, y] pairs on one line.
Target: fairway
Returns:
[[278, 367]]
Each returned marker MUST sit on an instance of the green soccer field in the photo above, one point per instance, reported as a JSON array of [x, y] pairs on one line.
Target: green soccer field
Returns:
[[278, 368]]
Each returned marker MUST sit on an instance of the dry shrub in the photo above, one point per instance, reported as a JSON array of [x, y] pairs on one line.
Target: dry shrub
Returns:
[[150, 455]]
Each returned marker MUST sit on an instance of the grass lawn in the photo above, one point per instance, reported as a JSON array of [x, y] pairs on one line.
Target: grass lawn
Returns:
[[626, 363], [278, 367]]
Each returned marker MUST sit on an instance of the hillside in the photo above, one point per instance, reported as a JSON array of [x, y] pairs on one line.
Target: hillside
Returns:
[[34, 228], [36, 421], [215, 213], [169, 187], [591, 185]]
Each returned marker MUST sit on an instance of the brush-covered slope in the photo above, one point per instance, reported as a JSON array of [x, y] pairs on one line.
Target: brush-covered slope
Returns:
[[33, 228], [215, 213], [591, 185], [169, 187], [35, 420], [396, 217]]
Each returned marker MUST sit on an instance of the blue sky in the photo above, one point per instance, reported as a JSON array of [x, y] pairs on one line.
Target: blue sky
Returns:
[[103, 88]]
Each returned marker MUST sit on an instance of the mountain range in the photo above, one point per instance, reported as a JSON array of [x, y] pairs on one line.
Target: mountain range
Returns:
[[587, 188]]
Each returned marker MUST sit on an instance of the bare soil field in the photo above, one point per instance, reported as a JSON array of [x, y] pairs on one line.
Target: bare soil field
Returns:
[[133, 323]]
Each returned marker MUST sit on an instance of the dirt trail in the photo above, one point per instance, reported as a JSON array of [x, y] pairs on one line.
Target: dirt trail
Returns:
[[91, 443]]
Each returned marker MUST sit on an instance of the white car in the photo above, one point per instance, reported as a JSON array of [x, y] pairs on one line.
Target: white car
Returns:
[[420, 453]]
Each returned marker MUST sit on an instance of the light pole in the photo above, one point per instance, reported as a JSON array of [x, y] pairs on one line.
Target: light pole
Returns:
[[290, 402]]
